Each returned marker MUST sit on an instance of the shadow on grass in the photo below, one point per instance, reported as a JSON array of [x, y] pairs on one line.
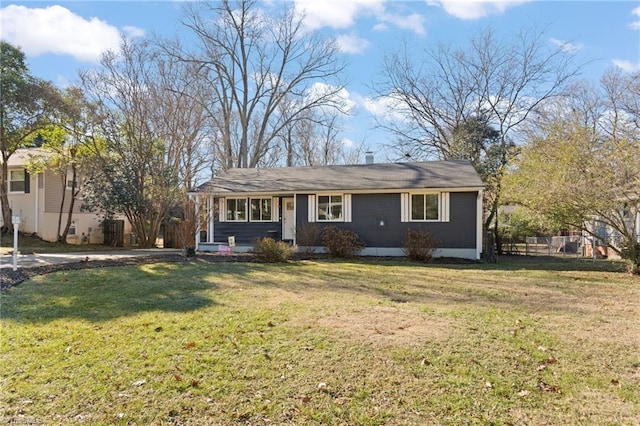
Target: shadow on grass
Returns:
[[529, 285], [108, 293]]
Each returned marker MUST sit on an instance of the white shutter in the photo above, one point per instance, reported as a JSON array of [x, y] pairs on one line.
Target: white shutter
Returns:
[[222, 209], [404, 207], [346, 205], [444, 206], [275, 209], [312, 208]]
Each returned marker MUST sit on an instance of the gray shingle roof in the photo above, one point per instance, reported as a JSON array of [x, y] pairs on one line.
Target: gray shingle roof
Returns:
[[358, 177]]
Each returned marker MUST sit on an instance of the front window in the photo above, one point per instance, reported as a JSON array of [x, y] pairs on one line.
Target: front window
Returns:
[[261, 209], [17, 181], [424, 207], [237, 209], [330, 207]]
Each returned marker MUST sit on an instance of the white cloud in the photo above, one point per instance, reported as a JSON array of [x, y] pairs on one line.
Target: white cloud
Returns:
[[339, 97], [635, 25], [348, 143], [351, 43], [474, 9], [343, 14], [55, 29], [567, 46], [335, 14], [134, 32], [384, 107], [626, 66], [413, 22]]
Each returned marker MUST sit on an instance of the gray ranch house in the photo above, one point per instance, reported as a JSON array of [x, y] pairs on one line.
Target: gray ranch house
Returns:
[[377, 201]]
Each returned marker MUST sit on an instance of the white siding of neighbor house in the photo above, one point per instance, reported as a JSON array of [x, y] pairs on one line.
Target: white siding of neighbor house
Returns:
[[39, 211], [53, 194]]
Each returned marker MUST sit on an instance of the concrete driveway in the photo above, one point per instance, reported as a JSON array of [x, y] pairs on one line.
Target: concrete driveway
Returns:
[[44, 259]]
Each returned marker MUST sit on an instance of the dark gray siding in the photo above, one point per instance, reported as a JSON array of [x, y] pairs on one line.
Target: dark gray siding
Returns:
[[369, 209], [246, 233]]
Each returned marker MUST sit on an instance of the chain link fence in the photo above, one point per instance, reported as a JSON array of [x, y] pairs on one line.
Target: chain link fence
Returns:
[[563, 246]]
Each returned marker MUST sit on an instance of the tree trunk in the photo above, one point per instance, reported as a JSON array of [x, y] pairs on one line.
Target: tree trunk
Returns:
[[4, 195], [61, 211], [72, 203]]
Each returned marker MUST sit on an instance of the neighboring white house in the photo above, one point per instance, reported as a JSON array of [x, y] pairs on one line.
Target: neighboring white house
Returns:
[[37, 199]]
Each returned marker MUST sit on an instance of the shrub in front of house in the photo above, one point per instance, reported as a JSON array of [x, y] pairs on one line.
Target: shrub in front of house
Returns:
[[341, 242], [272, 251], [419, 245]]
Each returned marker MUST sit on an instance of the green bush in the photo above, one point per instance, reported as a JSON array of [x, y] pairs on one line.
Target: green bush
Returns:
[[272, 251], [419, 245], [341, 242]]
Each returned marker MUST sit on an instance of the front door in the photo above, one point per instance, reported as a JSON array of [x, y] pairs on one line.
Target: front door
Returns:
[[288, 219]]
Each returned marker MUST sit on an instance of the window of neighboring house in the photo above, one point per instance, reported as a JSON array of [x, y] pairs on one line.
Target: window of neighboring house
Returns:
[[425, 207], [70, 181], [260, 209], [73, 229], [237, 209], [18, 181], [329, 208]]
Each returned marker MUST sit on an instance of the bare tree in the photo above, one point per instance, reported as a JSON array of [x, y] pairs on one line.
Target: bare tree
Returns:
[[497, 79], [147, 136], [313, 139], [256, 62]]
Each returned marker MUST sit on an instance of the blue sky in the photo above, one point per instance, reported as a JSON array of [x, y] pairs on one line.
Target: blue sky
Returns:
[[60, 38]]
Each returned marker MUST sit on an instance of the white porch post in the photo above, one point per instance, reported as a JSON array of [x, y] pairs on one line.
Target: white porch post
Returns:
[[196, 200], [210, 219]]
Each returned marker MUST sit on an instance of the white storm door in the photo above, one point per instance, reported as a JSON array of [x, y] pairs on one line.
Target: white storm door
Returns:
[[288, 219]]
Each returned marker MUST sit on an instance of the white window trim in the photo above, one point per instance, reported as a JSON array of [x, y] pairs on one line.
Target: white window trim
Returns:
[[70, 181], [222, 209], [346, 207], [269, 219], [73, 227], [342, 216], [247, 212], [443, 206], [24, 181], [275, 211]]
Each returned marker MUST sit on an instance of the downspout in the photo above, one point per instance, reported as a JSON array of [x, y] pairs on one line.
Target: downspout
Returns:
[[295, 218], [37, 205]]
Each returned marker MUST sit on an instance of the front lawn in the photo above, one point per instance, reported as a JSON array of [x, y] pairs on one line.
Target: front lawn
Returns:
[[324, 342]]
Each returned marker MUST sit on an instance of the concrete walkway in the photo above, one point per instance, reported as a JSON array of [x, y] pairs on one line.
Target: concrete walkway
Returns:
[[44, 259]]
